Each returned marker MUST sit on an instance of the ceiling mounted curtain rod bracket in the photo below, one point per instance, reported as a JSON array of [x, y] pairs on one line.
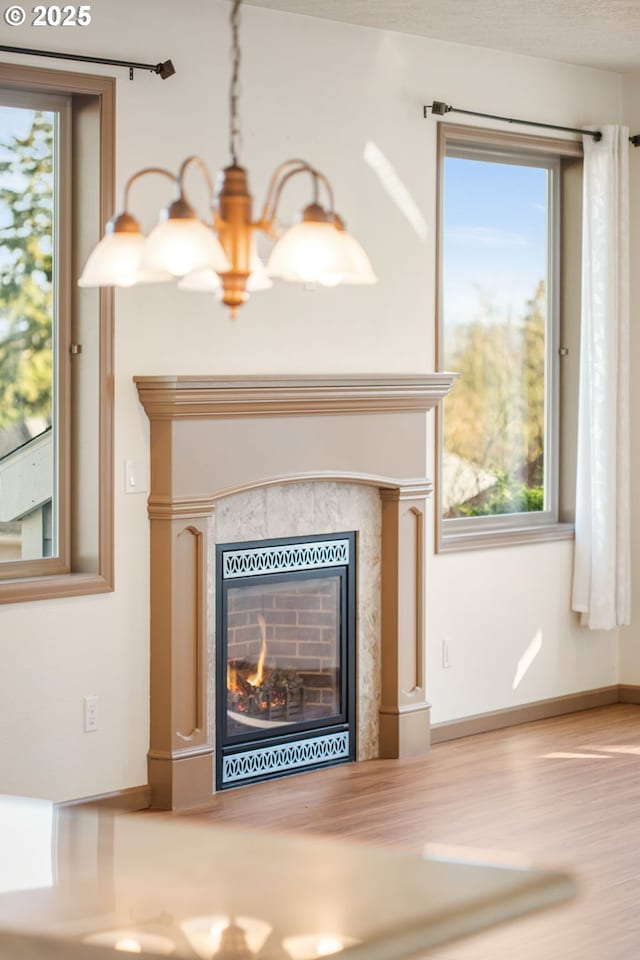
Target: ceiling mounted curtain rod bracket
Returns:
[[438, 108], [163, 69]]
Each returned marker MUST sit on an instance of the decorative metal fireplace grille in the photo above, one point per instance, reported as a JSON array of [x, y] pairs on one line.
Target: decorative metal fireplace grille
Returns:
[[285, 657]]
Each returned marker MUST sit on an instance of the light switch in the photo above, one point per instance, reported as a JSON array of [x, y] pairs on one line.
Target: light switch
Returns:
[[134, 477]]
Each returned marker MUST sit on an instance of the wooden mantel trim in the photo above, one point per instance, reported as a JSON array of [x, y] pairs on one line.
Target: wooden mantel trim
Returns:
[[193, 397], [170, 508]]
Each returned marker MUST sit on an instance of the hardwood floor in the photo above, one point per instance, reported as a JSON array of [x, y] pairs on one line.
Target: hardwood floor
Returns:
[[557, 793]]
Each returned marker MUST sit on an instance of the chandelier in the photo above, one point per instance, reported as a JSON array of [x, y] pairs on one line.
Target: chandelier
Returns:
[[220, 255]]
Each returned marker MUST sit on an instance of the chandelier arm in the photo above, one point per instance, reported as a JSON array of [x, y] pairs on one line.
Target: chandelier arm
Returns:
[[142, 173], [204, 170], [328, 188], [270, 214], [275, 178]]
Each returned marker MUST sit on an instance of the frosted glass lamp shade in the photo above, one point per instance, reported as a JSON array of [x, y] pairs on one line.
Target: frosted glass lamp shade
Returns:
[[360, 270], [208, 935], [208, 281], [115, 262], [183, 245], [309, 252], [200, 281], [259, 278], [154, 276]]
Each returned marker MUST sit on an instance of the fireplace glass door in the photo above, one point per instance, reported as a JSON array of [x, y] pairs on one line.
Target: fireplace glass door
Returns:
[[285, 643], [283, 653]]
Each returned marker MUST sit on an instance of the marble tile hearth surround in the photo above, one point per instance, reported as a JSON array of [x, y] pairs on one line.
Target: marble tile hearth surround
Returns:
[[263, 457], [301, 509]]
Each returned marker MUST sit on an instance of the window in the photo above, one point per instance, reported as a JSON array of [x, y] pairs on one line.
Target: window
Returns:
[[34, 257], [501, 312], [56, 176]]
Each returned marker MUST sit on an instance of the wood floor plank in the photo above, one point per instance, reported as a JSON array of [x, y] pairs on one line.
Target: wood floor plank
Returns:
[[559, 793]]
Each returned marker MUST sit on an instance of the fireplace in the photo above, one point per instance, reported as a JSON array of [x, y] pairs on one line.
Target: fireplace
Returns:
[[285, 656], [237, 459]]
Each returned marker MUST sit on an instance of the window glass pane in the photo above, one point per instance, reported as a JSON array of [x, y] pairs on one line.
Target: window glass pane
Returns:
[[495, 254], [28, 515]]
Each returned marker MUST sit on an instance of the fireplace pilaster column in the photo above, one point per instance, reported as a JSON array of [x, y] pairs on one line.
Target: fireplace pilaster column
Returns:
[[180, 759], [404, 712]]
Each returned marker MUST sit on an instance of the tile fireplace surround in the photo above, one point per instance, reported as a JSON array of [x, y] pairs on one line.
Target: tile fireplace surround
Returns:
[[235, 459]]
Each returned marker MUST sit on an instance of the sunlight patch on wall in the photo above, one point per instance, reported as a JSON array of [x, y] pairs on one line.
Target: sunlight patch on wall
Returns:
[[527, 659], [395, 188]]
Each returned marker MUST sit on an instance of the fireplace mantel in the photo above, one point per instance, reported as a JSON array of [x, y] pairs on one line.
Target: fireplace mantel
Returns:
[[174, 397], [212, 437]]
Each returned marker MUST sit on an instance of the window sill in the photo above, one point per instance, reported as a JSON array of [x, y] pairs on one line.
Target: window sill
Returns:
[[49, 588], [488, 539]]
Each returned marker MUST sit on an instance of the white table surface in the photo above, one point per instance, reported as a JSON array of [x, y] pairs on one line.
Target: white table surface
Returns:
[[65, 875]]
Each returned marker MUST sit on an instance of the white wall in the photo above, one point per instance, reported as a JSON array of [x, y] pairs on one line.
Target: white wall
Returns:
[[319, 90], [630, 636]]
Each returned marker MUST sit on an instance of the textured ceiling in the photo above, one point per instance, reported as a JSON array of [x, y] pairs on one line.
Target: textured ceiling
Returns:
[[595, 33]]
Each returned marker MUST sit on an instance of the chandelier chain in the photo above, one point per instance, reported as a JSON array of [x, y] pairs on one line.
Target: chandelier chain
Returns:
[[234, 90]]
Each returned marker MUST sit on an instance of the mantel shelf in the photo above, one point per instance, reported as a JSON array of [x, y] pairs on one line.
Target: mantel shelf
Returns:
[[199, 397]]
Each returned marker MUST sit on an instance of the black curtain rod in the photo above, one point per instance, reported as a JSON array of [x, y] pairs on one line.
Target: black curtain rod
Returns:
[[164, 69], [439, 109]]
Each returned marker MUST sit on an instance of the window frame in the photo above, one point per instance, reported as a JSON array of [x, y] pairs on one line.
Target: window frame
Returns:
[[61, 331], [469, 533], [64, 575]]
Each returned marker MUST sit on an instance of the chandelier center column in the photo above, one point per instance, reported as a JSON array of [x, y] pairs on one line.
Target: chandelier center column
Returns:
[[235, 233]]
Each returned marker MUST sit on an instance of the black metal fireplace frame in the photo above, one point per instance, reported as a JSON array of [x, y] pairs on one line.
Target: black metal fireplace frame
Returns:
[[345, 721]]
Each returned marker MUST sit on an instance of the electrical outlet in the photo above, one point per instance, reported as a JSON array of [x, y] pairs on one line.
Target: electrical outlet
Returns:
[[446, 655], [90, 714]]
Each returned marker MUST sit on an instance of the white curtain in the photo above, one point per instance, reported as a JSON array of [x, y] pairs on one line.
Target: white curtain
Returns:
[[602, 580]]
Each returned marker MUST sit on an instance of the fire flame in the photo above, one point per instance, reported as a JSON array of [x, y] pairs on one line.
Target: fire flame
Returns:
[[232, 679], [236, 678], [255, 679]]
